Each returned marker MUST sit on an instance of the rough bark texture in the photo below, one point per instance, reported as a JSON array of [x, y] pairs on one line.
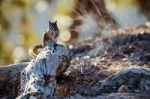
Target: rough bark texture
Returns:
[[10, 79], [11, 70]]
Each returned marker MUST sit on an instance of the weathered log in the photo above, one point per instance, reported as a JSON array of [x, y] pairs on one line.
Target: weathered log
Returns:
[[9, 79], [8, 71]]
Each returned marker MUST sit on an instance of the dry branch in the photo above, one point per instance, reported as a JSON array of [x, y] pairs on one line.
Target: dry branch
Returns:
[[8, 71]]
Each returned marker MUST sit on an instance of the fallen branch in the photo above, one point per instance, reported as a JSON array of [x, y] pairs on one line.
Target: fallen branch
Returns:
[[9, 79], [7, 72]]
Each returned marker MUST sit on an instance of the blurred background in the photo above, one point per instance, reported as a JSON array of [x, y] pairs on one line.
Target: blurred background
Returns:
[[22, 22]]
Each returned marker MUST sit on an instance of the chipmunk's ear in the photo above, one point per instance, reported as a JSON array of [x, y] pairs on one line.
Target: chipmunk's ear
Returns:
[[50, 22]]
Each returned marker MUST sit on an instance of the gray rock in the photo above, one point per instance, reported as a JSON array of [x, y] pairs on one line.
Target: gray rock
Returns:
[[136, 78]]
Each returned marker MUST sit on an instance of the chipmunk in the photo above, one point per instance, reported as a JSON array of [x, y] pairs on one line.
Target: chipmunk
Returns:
[[50, 35]]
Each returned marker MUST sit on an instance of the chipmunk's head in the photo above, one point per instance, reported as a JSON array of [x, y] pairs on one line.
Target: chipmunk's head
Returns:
[[53, 26]]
